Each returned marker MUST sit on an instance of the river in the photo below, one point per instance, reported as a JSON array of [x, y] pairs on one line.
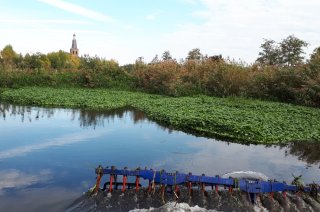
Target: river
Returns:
[[48, 155]]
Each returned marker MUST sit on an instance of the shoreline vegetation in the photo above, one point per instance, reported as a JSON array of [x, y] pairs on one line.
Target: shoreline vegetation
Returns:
[[235, 119], [281, 73], [274, 100]]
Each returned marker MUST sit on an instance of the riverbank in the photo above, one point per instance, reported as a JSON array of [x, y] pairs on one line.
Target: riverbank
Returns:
[[233, 118]]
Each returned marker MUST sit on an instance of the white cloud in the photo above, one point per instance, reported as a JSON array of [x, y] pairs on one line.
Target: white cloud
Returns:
[[236, 28], [79, 10]]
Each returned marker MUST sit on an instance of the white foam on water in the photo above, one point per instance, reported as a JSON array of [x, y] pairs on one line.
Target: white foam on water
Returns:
[[175, 207], [246, 174]]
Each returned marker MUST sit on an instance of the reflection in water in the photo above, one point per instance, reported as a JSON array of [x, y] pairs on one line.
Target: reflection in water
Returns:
[[24, 112], [39, 199], [87, 118], [309, 152], [55, 142], [305, 151], [91, 118], [17, 179]]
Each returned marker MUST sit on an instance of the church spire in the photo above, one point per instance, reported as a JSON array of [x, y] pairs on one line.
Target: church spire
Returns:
[[74, 49]]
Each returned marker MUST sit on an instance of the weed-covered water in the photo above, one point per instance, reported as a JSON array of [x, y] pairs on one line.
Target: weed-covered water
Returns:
[[48, 156]]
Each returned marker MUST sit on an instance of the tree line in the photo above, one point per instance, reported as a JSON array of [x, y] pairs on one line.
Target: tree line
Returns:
[[280, 73]]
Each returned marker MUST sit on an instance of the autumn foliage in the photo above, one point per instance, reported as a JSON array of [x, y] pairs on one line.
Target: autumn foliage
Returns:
[[297, 83]]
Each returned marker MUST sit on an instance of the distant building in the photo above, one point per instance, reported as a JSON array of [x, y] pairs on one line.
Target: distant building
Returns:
[[74, 50]]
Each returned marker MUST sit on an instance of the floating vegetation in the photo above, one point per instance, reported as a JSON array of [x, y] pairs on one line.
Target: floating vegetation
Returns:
[[233, 118]]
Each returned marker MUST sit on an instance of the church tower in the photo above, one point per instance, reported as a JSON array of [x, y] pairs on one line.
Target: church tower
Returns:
[[74, 51]]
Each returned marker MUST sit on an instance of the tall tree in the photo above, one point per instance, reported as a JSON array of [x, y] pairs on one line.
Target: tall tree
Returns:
[[314, 61], [316, 54], [291, 50], [194, 54], [270, 54], [288, 52], [8, 55], [166, 56]]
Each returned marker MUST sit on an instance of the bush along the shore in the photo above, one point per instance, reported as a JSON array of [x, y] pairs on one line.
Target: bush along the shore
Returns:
[[277, 75], [232, 118], [299, 85]]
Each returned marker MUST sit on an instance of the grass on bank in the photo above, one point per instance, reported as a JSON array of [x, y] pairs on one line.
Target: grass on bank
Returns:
[[233, 118]]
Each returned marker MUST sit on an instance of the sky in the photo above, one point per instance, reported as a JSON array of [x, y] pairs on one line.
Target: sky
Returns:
[[124, 30]]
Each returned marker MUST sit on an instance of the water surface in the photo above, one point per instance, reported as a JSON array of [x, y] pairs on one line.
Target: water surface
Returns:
[[48, 156]]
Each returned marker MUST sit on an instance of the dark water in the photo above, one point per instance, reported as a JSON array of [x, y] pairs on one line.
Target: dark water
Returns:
[[48, 156]]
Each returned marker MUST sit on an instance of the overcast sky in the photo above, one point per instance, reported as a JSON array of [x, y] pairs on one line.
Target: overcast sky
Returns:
[[126, 29]]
